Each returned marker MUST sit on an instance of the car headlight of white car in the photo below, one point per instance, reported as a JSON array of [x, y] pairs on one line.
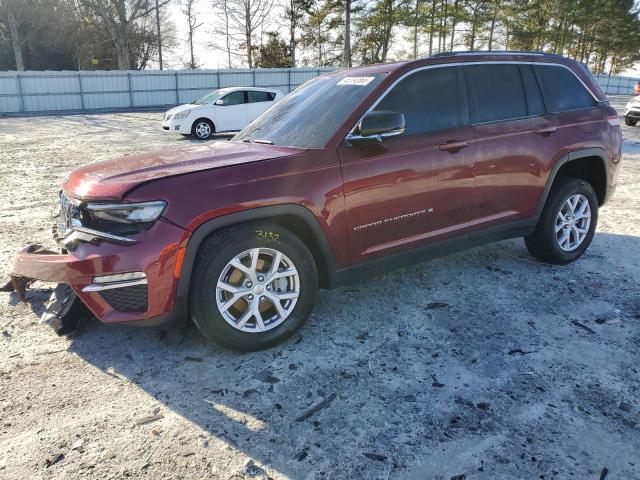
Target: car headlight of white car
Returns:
[[183, 114]]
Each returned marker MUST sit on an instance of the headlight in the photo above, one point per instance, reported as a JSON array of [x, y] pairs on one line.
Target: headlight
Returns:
[[183, 114], [121, 218]]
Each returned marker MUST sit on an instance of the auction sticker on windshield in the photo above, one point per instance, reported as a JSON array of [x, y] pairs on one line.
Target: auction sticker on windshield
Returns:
[[362, 81]]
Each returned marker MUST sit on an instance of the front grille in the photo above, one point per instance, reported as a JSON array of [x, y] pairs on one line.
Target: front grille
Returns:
[[127, 299]]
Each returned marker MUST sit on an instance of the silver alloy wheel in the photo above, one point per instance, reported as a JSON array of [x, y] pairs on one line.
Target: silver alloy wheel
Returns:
[[203, 130], [573, 222], [257, 290]]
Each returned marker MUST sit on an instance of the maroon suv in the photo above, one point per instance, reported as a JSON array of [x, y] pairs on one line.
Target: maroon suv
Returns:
[[359, 170]]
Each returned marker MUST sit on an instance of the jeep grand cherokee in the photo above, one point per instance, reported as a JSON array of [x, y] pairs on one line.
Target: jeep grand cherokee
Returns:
[[354, 171]]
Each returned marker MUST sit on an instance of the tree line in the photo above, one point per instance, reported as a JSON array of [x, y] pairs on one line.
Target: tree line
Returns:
[[133, 34]]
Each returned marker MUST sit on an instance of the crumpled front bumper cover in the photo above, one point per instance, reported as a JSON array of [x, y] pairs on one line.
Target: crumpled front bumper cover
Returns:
[[157, 253]]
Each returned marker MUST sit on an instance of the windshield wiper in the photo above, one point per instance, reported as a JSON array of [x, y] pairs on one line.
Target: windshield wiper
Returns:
[[257, 140]]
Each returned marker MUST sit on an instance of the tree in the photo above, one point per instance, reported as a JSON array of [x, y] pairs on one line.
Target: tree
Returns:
[[275, 53], [295, 12], [189, 10], [119, 18], [377, 29], [225, 30], [247, 17], [318, 34], [9, 9]]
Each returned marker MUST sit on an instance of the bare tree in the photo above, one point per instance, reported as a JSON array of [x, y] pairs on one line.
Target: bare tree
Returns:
[[246, 17], [159, 34], [188, 8], [9, 8], [118, 17]]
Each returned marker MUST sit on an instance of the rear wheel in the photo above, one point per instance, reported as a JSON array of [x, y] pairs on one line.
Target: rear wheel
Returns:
[[567, 224], [202, 129], [253, 286], [630, 122]]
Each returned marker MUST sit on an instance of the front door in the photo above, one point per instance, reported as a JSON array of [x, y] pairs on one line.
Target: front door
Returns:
[[232, 114], [413, 189]]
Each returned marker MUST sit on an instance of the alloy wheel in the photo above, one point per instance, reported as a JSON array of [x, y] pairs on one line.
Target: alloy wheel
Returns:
[[203, 130], [257, 290], [573, 222]]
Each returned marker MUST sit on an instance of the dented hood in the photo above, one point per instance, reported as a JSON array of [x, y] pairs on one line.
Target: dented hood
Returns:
[[112, 179]]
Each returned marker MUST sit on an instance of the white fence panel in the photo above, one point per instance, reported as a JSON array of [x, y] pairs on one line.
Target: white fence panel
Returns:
[[30, 92], [39, 92]]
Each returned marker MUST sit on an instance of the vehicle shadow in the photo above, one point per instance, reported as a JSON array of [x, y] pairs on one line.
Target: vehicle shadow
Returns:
[[384, 368]]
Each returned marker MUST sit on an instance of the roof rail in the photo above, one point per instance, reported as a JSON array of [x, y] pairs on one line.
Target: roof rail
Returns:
[[489, 52]]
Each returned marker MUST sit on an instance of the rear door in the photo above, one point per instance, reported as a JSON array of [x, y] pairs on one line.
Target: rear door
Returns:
[[232, 114], [415, 189], [516, 142], [258, 102]]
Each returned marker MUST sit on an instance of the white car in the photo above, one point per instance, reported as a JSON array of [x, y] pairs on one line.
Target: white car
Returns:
[[632, 112], [224, 110]]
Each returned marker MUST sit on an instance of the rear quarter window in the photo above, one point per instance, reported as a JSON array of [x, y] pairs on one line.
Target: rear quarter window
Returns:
[[562, 90]]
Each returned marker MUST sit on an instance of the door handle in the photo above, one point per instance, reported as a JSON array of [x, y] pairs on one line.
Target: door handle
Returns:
[[452, 146], [545, 130]]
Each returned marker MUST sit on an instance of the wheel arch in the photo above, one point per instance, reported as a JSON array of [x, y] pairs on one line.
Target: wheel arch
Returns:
[[300, 220], [590, 164]]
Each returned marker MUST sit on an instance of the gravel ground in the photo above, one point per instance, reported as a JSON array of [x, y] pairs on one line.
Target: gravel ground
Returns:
[[481, 365]]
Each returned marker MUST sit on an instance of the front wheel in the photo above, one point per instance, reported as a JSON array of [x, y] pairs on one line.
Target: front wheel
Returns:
[[254, 285], [630, 122], [202, 129], [568, 222]]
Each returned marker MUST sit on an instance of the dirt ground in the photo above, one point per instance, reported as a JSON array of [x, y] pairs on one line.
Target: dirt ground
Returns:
[[482, 365]]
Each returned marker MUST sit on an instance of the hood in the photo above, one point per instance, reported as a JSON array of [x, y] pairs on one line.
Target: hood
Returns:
[[112, 179], [181, 108]]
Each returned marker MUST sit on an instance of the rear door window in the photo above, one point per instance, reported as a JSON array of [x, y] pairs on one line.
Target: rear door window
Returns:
[[429, 99], [257, 97], [499, 92], [562, 90]]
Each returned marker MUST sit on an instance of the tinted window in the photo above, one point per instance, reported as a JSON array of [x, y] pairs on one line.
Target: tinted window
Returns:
[[562, 90], [310, 115], [255, 97], [234, 98], [535, 105], [498, 91], [429, 100]]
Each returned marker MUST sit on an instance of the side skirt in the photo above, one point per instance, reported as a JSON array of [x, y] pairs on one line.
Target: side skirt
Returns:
[[420, 254]]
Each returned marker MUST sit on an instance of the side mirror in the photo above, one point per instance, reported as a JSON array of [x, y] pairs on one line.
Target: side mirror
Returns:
[[219, 102], [375, 126]]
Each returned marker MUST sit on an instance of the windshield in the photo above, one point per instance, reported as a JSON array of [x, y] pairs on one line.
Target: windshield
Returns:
[[210, 97], [310, 115]]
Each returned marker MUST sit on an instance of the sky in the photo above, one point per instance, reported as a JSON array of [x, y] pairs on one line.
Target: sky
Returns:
[[210, 57]]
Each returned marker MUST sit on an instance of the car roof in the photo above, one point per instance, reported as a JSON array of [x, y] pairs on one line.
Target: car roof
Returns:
[[255, 89]]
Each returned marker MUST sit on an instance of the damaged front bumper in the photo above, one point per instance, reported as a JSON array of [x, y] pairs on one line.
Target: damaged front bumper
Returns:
[[134, 282]]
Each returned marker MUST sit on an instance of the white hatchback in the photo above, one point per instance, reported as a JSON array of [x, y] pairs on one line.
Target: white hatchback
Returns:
[[224, 110]]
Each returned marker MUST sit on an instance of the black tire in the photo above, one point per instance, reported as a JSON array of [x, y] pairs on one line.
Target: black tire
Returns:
[[630, 122], [543, 243], [216, 252], [196, 131]]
